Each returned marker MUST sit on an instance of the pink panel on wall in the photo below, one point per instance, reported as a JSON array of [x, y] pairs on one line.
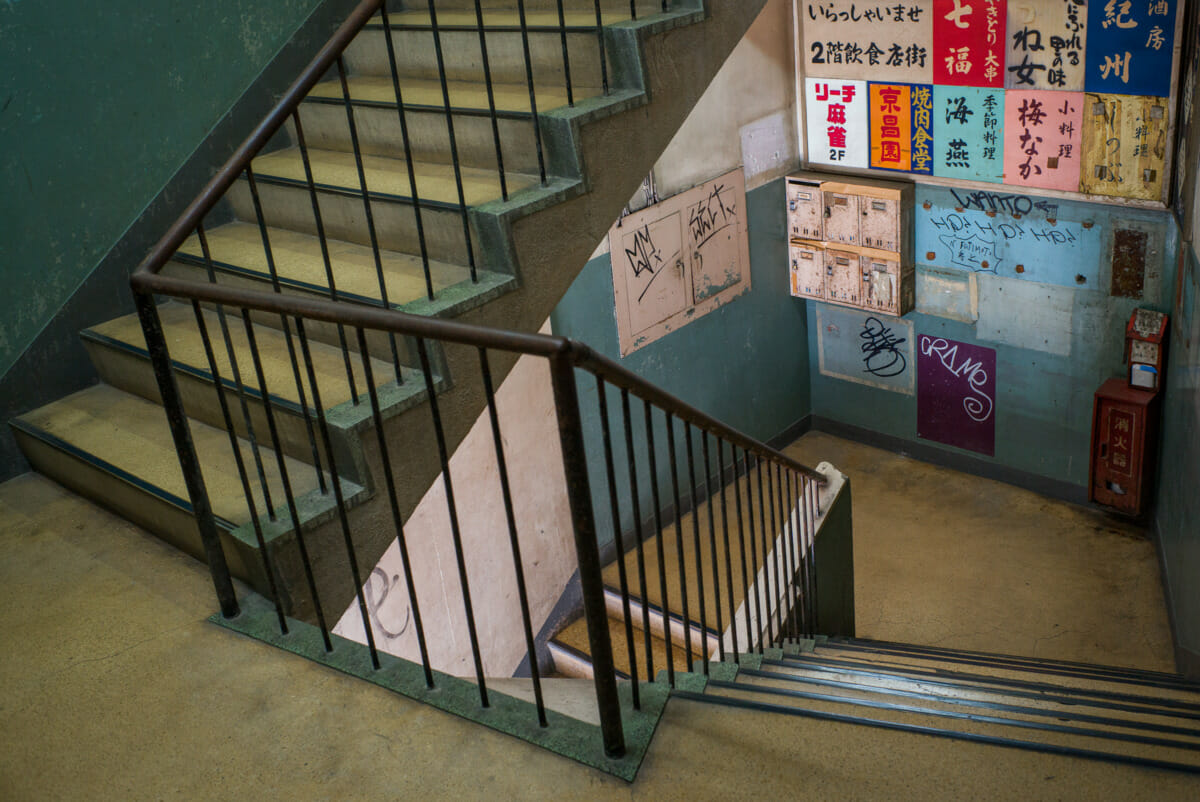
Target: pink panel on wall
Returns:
[[1043, 137]]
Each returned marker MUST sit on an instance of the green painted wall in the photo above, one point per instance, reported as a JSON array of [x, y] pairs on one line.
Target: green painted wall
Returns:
[[745, 363], [100, 105]]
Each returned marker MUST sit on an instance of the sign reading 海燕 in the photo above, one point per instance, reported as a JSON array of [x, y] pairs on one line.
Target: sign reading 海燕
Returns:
[[1130, 46], [970, 125], [862, 40]]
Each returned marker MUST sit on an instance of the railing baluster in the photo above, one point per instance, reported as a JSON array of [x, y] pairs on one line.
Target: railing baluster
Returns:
[[239, 461], [408, 160], [633, 9], [728, 547], [712, 544], [511, 520], [336, 481], [368, 211], [562, 30], [679, 555], [770, 568], [287, 331], [792, 573], [600, 44], [455, 532], [757, 632], [394, 503], [284, 478], [702, 599], [639, 537], [780, 543], [622, 574], [487, 80], [189, 463], [458, 181], [813, 512], [325, 258], [239, 385], [664, 602], [537, 128], [807, 552]]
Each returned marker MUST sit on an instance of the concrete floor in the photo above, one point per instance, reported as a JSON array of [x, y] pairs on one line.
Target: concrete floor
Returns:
[[115, 686]]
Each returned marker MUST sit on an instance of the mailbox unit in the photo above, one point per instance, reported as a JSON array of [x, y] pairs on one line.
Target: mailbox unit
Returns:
[[851, 242]]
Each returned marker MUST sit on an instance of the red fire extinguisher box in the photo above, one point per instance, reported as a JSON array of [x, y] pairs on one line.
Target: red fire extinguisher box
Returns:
[[1124, 441]]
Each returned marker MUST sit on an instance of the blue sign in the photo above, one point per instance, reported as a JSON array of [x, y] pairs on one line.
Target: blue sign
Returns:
[[970, 125], [1130, 47]]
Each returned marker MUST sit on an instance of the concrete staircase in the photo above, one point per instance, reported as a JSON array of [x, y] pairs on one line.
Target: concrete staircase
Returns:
[[1099, 712], [111, 442]]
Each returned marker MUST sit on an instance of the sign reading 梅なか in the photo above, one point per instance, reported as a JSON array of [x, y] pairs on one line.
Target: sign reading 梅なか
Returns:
[[836, 118]]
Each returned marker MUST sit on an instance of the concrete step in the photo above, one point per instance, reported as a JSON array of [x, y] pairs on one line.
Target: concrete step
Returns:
[[118, 351], [116, 449], [570, 649], [373, 99]]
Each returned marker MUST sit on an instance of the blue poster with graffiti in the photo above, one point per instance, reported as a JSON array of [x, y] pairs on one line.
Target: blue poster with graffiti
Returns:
[[1130, 46], [970, 123]]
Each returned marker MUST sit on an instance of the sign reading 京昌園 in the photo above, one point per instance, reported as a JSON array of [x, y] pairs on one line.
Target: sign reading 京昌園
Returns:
[[836, 119], [1042, 135], [1130, 46], [902, 127], [853, 39], [969, 42], [1046, 44], [970, 124], [956, 394]]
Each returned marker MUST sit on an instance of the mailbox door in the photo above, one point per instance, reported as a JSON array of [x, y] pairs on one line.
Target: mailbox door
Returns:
[[881, 285], [807, 271], [806, 212], [880, 223], [656, 285], [841, 218], [843, 277]]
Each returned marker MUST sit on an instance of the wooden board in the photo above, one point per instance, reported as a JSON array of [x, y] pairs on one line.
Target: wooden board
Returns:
[[1124, 145]]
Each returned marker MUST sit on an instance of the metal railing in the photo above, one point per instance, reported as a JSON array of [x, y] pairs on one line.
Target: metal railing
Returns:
[[770, 553]]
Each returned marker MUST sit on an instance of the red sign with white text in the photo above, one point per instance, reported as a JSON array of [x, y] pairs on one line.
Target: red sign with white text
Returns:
[[969, 42]]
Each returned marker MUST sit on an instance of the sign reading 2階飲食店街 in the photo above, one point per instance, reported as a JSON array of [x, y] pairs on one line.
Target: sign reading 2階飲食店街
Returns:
[[956, 394], [853, 39]]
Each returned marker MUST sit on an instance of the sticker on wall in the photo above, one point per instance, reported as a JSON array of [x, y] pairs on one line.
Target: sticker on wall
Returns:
[[1042, 139], [1046, 44], [970, 124], [1131, 46], [852, 39], [969, 42], [956, 394], [836, 119], [902, 127], [865, 348], [1124, 145]]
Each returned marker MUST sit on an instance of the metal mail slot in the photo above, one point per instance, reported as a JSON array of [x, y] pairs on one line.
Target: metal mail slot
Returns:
[[806, 215], [841, 218]]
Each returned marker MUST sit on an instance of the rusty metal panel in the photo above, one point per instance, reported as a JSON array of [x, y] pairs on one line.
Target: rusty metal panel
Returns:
[[1124, 146], [843, 277], [715, 235], [881, 283], [652, 265], [880, 224], [806, 212], [841, 218], [807, 269], [1128, 263]]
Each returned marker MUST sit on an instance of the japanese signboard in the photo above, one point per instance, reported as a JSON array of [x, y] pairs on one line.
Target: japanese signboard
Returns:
[[1042, 139], [1131, 46], [902, 127], [860, 40], [970, 125], [836, 117], [1125, 145], [1046, 44], [956, 394], [969, 42]]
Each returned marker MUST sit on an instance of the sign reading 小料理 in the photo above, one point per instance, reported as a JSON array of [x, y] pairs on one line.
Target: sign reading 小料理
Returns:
[[836, 118], [1042, 136], [956, 394]]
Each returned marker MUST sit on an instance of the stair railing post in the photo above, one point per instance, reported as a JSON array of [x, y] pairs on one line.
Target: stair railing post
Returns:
[[189, 463], [587, 550]]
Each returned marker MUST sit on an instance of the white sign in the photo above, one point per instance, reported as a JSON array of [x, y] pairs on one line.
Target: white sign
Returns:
[[836, 119]]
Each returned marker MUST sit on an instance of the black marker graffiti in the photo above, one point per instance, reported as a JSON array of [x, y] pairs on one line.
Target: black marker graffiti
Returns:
[[1003, 202], [882, 356], [710, 216], [643, 256], [376, 592]]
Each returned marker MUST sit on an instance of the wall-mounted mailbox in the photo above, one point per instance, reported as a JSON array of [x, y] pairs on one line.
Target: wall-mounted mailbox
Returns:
[[865, 244], [807, 269]]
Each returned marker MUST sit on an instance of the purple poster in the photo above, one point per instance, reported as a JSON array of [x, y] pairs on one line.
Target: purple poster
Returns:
[[956, 394]]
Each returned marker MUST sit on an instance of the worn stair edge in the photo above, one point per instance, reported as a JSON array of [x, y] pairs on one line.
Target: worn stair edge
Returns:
[[565, 735], [679, 637]]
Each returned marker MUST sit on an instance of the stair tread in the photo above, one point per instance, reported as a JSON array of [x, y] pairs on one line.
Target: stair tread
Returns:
[[435, 181], [503, 18], [186, 347], [298, 258], [131, 434], [575, 636], [508, 97]]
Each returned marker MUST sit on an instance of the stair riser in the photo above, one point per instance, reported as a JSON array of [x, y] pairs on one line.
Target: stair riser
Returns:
[[378, 129], [616, 611], [344, 218], [644, 7], [416, 56]]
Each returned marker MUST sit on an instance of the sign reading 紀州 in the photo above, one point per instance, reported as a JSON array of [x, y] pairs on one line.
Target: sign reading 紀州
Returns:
[[1131, 46]]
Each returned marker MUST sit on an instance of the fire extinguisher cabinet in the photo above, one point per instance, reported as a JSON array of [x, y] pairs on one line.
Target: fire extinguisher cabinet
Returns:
[[1124, 438]]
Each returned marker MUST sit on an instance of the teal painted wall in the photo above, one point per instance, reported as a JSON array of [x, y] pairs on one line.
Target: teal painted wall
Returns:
[[100, 104], [745, 363], [1177, 516], [1057, 331]]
